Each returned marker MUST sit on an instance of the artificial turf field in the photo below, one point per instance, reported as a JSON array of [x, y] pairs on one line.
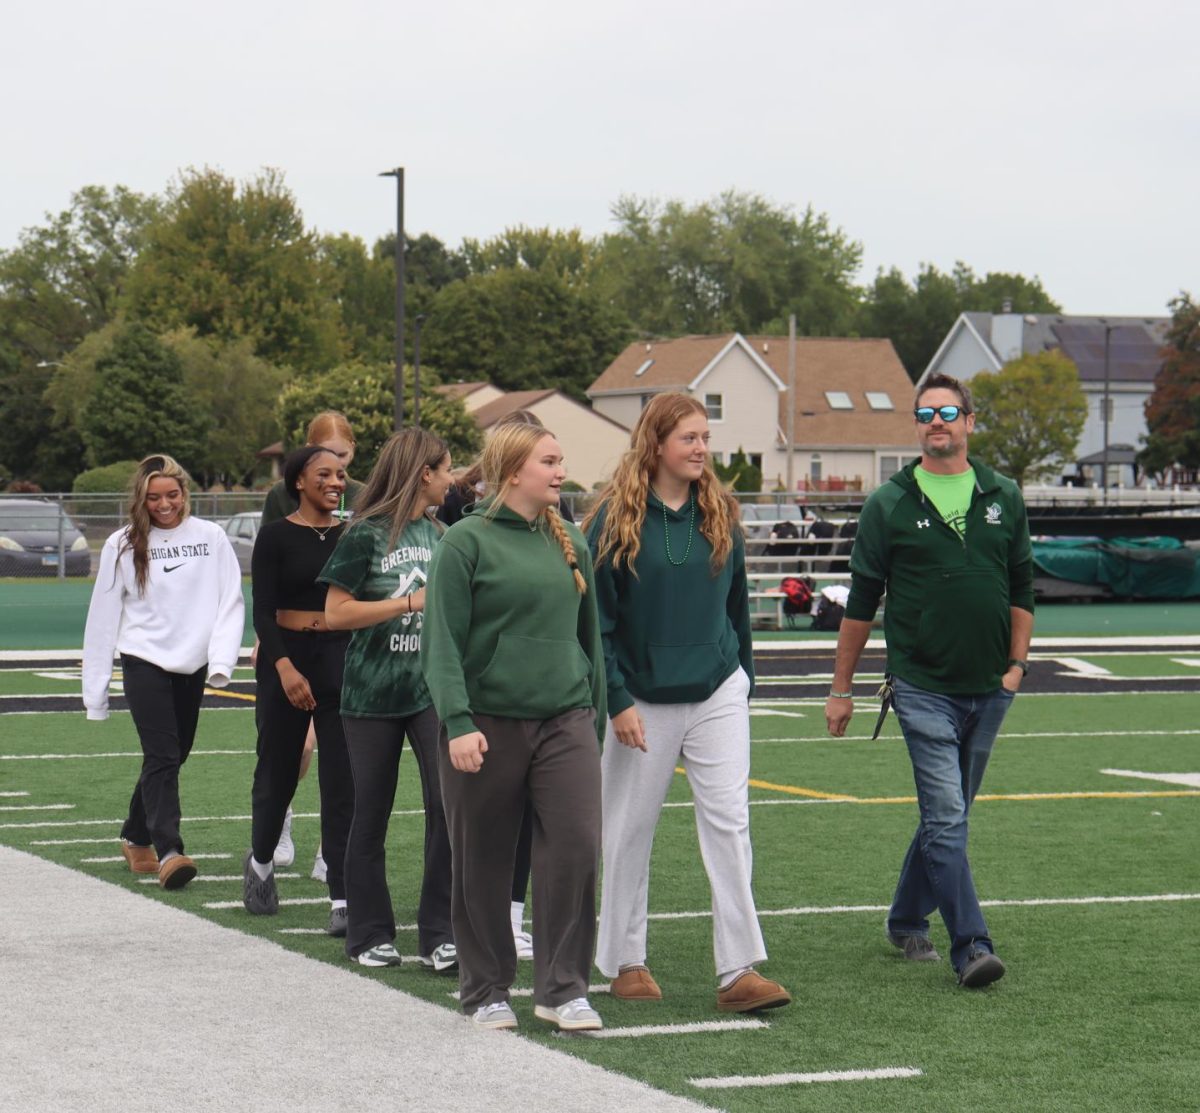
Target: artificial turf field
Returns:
[[1094, 875]]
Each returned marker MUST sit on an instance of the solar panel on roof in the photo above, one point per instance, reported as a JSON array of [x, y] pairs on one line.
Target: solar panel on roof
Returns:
[[1132, 353]]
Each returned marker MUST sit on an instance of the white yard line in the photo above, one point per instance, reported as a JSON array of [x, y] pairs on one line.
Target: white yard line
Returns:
[[36, 807], [600, 987], [220, 877], [739, 1081], [108, 840], [119, 753], [290, 902], [10, 795], [697, 1028], [1192, 780]]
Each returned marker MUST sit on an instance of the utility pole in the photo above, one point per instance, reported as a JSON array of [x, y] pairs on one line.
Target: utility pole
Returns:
[[791, 407], [398, 174]]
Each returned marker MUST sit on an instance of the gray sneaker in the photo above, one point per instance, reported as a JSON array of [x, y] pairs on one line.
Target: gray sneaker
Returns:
[[916, 948], [339, 922], [259, 894], [498, 1014], [981, 968], [574, 1016]]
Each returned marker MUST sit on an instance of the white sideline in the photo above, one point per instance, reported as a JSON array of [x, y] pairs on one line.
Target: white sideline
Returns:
[[151, 968], [734, 1081], [121, 857]]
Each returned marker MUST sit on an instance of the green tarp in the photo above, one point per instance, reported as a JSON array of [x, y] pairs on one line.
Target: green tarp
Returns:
[[1131, 568]]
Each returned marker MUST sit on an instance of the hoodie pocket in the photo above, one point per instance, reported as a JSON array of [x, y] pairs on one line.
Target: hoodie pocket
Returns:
[[677, 672], [534, 678]]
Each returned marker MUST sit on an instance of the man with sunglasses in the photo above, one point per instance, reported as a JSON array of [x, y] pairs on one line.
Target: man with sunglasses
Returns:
[[948, 540]]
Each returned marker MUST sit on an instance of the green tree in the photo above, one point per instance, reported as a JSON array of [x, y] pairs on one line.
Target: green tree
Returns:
[[736, 262], [523, 329], [569, 253], [365, 393], [139, 404], [236, 261], [1028, 416], [234, 395], [1173, 410], [917, 316], [65, 277]]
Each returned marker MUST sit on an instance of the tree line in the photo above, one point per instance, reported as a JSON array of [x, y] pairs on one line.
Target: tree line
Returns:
[[213, 320]]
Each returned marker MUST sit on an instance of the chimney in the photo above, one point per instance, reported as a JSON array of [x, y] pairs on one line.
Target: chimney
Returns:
[[1007, 333]]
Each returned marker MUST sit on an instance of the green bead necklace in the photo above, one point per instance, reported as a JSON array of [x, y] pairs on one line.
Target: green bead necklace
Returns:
[[667, 528]]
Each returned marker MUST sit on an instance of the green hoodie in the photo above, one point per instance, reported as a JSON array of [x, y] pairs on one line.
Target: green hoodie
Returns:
[[672, 633], [947, 621], [506, 631]]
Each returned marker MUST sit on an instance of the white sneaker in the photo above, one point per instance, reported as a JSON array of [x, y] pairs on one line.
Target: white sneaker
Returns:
[[498, 1014], [382, 954], [285, 852], [444, 957], [320, 871], [523, 941], [574, 1016]]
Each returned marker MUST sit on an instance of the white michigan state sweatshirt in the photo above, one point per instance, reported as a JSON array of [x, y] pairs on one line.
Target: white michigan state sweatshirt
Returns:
[[190, 616]]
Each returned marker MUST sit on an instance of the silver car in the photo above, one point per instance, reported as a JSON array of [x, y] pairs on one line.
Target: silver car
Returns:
[[29, 537], [242, 529]]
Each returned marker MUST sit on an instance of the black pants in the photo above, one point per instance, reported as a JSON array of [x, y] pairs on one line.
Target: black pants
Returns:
[[319, 657], [165, 708], [555, 765], [520, 885], [374, 746]]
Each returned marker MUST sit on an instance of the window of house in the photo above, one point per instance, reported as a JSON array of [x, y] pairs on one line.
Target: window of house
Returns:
[[644, 368], [715, 405], [879, 400], [717, 457], [756, 460], [838, 400], [646, 400], [888, 466], [814, 467]]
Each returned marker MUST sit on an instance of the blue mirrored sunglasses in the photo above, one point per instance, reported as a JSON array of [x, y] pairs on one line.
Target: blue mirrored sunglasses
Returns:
[[924, 414]]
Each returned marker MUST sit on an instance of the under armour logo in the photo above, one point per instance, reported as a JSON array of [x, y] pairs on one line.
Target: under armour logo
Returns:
[[922, 524]]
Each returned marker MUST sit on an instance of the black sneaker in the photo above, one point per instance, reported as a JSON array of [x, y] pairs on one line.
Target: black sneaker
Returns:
[[981, 968], [259, 894], [339, 921], [916, 948]]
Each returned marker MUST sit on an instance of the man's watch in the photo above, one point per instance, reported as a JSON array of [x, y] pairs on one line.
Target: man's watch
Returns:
[[1022, 665]]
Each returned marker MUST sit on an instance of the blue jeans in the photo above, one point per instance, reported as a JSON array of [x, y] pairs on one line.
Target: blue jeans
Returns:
[[949, 741]]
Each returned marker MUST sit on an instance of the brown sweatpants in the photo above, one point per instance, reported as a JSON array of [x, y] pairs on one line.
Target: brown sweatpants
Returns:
[[555, 763]]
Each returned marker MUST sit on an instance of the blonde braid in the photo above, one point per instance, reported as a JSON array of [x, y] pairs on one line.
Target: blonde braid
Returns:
[[567, 545]]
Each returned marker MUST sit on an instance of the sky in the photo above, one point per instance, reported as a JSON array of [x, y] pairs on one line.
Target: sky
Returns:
[[1056, 139]]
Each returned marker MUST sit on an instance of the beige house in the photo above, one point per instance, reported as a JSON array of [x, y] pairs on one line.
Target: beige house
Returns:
[[853, 403], [592, 442]]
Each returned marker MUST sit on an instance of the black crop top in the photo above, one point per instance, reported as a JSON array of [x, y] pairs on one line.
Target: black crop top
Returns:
[[284, 567]]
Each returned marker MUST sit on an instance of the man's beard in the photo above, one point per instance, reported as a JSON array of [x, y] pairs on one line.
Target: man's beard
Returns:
[[941, 451]]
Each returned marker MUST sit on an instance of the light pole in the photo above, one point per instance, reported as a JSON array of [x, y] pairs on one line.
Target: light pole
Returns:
[[418, 320], [1107, 410], [398, 174]]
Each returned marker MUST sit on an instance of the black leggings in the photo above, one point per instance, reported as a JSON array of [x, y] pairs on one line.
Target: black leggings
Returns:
[[375, 746], [319, 656], [165, 708]]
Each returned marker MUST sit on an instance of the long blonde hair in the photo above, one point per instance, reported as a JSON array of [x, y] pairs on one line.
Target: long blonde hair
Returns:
[[505, 453], [393, 489], [623, 500], [137, 532]]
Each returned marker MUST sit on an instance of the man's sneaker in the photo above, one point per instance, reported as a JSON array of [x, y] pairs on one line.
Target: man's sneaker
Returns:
[[574, 1016], [141, 859], [320, 871], [443, 959], [382, 954], [523, 941], [339, 922], [259, 894], [916, 948], [981, 968], [498, 1014], [176, 871], [285, 852]]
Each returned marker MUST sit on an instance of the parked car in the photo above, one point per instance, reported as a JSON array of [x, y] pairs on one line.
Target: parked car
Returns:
[[29, 539], [242, 529]]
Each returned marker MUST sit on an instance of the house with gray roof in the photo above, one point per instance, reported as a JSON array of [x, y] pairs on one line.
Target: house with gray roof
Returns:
[[1120, 355]]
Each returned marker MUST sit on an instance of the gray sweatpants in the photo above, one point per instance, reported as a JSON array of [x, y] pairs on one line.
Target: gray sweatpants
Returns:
[[712, 741], [554, 763]]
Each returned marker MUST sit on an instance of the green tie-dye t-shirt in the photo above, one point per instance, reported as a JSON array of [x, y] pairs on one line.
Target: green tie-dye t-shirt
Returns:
[[383, 662]]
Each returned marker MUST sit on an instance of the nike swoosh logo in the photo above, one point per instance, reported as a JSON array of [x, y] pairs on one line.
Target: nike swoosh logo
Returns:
[[172, 567]]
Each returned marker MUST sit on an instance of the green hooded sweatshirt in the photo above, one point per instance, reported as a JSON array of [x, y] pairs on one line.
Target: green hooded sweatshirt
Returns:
[[506, 631], [947, 621]]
